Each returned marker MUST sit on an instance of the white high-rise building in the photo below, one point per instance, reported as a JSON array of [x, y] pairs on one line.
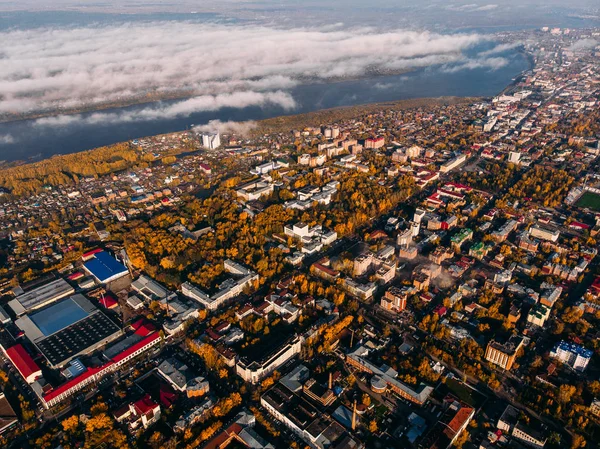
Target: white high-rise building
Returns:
[[211, 140]]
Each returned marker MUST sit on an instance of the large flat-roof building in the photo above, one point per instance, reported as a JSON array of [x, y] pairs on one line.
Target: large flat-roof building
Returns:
[[105, 268], [254, 371], [227, 290], [385, 377], [40, 297], [67, 329]]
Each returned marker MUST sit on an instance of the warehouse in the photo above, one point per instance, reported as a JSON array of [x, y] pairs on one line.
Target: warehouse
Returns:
[[105, 268], [67, 329], [40, 297]]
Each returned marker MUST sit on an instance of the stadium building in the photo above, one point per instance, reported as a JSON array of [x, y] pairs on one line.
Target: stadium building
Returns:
[[68, 328]]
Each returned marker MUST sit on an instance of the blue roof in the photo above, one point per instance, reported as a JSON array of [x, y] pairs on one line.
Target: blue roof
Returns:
[[58, 316], [574, 349], [104, 266]]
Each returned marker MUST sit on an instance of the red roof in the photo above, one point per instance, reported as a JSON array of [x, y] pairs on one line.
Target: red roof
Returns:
[[92, 371], [91, 253], [145, 405], [143, 327], [22, 361], [109, 301], [75, 381], [167, 395], [140, 344]]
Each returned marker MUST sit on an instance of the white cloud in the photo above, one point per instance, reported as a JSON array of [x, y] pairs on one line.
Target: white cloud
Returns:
[[241, 128], [477, 63], [6, 139], [584, 44], [500, 48], [178, 109], [219, 65], [472, 7]]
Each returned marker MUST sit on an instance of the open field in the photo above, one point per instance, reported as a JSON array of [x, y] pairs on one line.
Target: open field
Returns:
[[589, 200]]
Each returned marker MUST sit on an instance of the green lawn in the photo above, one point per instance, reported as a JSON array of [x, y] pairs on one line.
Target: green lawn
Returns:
[[589, 200]]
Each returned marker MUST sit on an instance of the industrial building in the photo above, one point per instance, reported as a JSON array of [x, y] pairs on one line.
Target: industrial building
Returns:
[[67, 329], [105, 268], [40, 297]]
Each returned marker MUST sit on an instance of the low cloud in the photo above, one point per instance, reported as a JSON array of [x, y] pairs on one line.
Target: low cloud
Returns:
[[219, 65], [6, 139], [239, 128], [472, 7], [500, 48], [178, 109], [584, 44], [477, 63]]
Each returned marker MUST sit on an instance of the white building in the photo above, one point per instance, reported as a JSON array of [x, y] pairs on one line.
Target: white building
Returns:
[[211, 141], [544, 234], [227, 290], [577, 357], [255, 371]]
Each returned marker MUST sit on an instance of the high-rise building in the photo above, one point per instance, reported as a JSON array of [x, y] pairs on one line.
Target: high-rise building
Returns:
[[504, 354], [211, 140]]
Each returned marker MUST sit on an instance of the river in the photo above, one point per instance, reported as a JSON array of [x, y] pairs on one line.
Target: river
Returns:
[[29, 140]]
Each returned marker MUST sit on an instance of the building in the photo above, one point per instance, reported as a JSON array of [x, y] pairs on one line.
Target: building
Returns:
[[394, 300], [8, 417], [374, 143], [317, 430], [68, 328], [254, 190], [544, 234], [53, 396], [40, 296], [181, 379], [384, 374], [504, 354], [142, 413], [228, 289], [538, 315], [254, 371], [25, 365], [502, 234], [150, 290], [313, 239], [105, 268], [211, 141], [453, 163], [240, 434], [576, 356], [595, 407], [460, 237], [456, 416], [531, 432], [362, 264], [514, 157], [361, 291]]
